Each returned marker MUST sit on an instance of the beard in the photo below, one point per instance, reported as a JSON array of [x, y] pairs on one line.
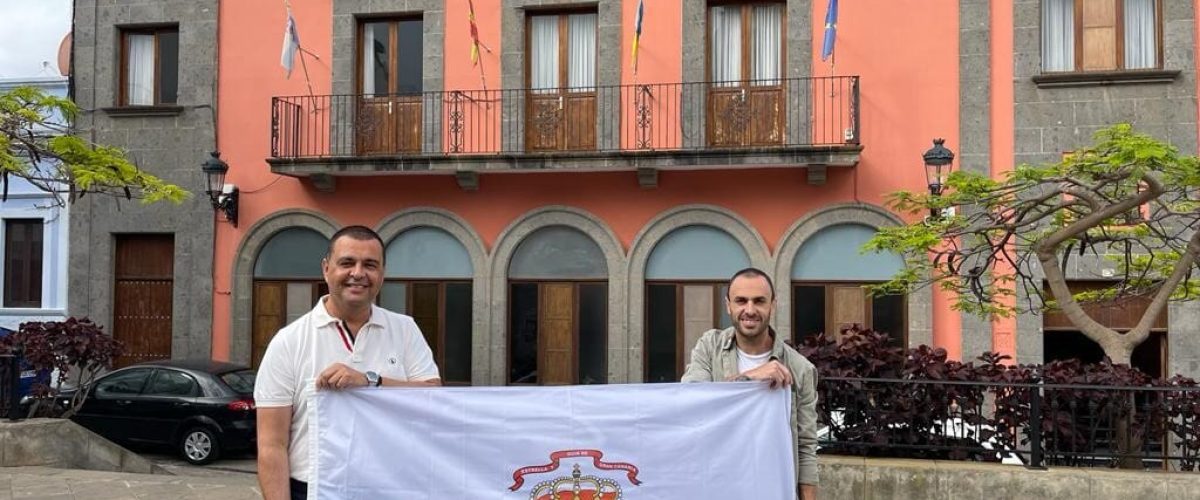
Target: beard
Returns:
[[758, 326]]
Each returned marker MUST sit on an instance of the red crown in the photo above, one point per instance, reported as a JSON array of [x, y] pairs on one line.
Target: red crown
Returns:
[[577, 487]]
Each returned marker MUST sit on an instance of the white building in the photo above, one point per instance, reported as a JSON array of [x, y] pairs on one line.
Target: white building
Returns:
[[33, 232]]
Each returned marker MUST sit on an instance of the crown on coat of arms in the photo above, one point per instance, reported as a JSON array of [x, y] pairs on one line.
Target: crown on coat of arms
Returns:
[[577, 487]]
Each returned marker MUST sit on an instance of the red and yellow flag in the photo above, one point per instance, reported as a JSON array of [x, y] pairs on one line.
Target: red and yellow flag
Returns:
[[474, 34]]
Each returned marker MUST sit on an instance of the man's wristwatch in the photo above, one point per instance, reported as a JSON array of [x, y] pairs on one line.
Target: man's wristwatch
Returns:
[[373, 379], [742, 378]]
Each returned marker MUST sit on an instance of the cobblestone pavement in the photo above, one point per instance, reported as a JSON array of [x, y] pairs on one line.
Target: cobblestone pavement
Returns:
[[49, 483]]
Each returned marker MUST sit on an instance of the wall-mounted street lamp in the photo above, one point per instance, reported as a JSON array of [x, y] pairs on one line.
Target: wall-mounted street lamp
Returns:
[[224, 197], [939, 162]]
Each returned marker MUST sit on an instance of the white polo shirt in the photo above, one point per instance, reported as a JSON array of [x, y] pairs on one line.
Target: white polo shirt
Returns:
[[389, 344]]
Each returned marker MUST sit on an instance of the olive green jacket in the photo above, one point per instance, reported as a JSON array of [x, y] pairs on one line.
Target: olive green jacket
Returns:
[[714, 359]]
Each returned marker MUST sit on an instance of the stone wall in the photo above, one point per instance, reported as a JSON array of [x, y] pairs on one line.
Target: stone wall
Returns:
[[62, 443], [1054, 117], [853, 478], [170, 142]]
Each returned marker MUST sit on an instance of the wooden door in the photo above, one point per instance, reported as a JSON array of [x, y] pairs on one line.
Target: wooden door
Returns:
[[142, 296], [560, 112], [389, 125], [745, 115], [543, 121], [389, 109], [745, 104], [270, 314], [556, 334]]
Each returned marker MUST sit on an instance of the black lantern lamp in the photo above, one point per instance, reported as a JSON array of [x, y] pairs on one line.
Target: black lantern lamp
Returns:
[[939, 161], [224, 200]]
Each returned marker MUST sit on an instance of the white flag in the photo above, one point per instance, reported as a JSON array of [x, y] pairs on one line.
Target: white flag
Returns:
[[291, 44], [644, 441]]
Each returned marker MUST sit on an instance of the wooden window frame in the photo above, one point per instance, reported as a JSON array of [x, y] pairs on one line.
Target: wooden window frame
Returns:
[[564, 40], [747, 6], [393, 47], [868, 305], [123, 71], [35, 282], [575, 321], [681, 355], [1119, 45], [440, 334]]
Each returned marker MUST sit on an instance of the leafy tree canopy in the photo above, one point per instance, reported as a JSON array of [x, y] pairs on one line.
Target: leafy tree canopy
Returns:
[[1128, 197], [36, 145]]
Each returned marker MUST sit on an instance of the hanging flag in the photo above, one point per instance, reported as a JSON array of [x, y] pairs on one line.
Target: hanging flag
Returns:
[[584, 441], [291, 44], [831, 15], [474, 34], [637, 33]]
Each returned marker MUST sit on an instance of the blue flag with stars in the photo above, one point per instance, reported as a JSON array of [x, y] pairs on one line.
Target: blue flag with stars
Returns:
[[830, 30]]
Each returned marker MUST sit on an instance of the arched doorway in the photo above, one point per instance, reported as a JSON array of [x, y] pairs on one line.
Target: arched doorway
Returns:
[[287, 283], [428, 277], [829, 273], [687, 277], [558, 309]]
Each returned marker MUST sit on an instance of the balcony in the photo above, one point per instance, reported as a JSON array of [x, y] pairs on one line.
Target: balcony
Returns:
[[810, 123]]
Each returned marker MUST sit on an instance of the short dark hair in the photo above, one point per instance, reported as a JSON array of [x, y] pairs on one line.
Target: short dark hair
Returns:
[[360, 233], [753, 272]]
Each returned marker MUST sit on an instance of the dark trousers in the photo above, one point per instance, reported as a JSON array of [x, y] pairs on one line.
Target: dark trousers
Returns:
[[299, 489]]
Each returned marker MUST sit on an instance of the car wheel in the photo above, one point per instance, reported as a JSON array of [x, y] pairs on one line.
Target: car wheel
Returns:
[[199, 446]]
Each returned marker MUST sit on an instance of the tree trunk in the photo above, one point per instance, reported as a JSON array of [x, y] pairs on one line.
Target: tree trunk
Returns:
[[1124, 411]]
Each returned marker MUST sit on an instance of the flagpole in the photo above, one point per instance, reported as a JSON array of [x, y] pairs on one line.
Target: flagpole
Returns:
[[304, 65], [287, 5]]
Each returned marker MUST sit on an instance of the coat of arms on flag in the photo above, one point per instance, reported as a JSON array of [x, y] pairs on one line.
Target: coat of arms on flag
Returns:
[[577, 485]]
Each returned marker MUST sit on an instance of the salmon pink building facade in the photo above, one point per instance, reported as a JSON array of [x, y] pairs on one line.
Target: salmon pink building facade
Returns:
[[557, 212]]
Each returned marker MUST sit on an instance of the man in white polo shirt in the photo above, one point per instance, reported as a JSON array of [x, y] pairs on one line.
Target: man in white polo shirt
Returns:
[[346, 341]]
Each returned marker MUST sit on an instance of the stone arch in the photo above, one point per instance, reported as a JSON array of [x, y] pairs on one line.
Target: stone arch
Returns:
[[653, 232], [920, 302], [243, 270], [502, 253], [393, 225]]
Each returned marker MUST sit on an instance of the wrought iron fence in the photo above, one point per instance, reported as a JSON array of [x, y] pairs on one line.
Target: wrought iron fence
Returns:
[[1031, 424], [663, 117]]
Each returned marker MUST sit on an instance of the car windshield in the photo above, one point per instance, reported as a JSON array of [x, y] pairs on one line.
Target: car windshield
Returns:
[[241, 381]]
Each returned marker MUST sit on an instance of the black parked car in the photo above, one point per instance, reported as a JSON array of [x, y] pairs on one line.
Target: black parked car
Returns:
[[201, 408]]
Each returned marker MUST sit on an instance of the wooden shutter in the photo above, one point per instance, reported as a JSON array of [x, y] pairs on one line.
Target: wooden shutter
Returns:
[[426, 311], [847, 306], [1099, 31], [698, 317]]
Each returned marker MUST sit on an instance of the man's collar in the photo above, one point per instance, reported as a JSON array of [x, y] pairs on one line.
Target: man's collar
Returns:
[[729, 337], [321, 316]]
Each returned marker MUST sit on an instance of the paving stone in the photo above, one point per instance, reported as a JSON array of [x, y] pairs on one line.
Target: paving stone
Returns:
[[48, 483]]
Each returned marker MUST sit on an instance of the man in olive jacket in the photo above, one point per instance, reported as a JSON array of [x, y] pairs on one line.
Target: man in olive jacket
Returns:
[[750, 350]]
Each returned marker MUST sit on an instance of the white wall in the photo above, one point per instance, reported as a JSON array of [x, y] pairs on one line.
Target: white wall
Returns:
[[28, 202]]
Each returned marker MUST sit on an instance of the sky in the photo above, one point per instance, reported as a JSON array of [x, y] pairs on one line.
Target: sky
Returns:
[[30, 33]]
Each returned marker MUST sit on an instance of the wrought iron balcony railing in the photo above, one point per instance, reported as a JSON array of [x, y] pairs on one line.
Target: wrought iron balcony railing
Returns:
[[757, 115]]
